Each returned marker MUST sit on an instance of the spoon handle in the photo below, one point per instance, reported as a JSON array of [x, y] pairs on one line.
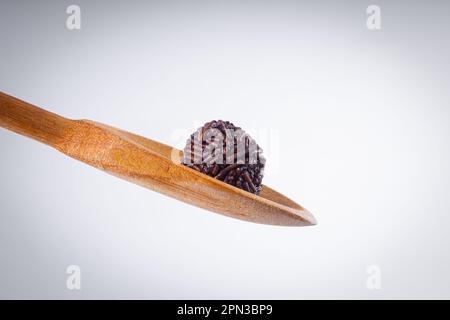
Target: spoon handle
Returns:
[[31, 121]]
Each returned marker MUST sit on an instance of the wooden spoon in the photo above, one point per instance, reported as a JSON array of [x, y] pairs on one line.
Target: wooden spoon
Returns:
[[148, 163]]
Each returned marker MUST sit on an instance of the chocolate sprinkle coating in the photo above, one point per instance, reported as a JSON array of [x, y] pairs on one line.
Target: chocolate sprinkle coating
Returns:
[[226, 162]]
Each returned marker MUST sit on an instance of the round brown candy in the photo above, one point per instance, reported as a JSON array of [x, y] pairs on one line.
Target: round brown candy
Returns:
[[225, 152]]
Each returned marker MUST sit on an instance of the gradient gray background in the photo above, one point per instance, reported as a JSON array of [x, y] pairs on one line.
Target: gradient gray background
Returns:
[[363, 118]]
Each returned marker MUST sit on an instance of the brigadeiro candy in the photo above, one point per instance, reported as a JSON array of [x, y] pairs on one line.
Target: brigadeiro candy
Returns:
[[225, 152]]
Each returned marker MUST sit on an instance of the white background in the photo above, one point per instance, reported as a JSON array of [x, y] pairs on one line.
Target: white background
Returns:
[[363, 123]]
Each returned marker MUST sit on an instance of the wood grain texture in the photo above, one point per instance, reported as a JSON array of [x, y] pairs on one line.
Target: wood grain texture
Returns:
[[148, 163]]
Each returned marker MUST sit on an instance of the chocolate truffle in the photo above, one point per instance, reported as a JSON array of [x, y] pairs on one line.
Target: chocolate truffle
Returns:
[[225, 152]]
